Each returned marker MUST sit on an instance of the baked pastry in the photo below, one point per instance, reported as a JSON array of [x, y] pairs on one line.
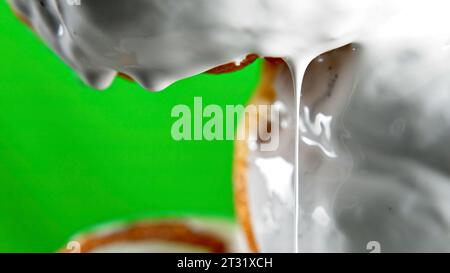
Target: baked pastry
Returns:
[[164, 235], [264, 180]]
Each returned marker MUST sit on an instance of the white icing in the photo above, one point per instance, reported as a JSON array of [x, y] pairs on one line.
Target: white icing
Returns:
[[390, 181], [390, 128], [158, 42]]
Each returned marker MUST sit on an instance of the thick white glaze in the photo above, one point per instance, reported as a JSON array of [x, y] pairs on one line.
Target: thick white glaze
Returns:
[[158, 42], [388, 142], [388, 180]]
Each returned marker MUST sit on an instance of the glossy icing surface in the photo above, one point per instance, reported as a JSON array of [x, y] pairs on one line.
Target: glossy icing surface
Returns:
[[373, 160]]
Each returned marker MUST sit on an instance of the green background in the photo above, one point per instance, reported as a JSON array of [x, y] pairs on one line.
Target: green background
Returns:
[[72, 157]]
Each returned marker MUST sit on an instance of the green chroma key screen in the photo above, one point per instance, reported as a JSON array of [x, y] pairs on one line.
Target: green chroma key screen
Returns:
[[72, 157]]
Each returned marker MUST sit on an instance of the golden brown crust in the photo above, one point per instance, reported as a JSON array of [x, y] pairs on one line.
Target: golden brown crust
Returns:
[[240, 193], [175, 232], [21, 18], [264, 94], [231, 67]]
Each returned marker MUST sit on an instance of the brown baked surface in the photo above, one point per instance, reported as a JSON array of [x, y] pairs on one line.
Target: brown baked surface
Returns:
[[264, 94], [175, 232]]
